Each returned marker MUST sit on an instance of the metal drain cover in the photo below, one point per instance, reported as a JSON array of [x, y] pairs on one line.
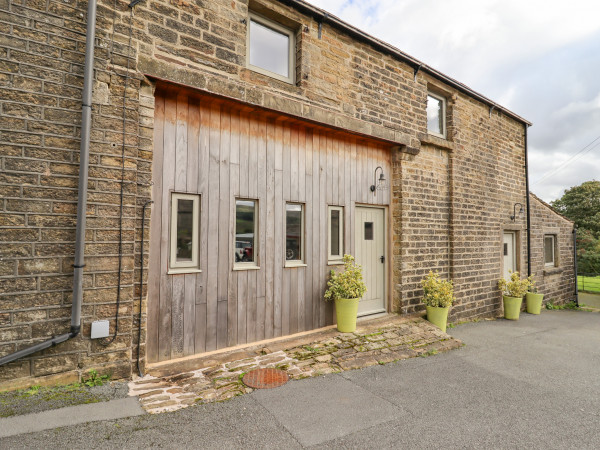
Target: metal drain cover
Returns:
[[265, 378]]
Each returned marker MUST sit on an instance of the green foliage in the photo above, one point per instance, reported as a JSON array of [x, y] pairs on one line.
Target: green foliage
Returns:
[[588, 252], [347, 283], [33, 390], [437, 292], [515, 286], [532, 287], [588, 284], [94, 379], [582, 205], [568, 305]]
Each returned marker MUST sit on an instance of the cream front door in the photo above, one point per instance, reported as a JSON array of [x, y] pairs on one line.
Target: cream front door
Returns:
[[370, 254], [510, 253]]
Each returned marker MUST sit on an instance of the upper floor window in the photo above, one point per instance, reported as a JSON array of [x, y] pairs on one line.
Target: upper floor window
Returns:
[[270, 49], [436, 115]]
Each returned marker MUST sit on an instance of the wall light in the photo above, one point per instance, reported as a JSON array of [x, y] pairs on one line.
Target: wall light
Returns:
[[378, 184], [516, 212]]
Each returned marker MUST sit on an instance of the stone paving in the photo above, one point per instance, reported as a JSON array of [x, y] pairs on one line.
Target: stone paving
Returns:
[[335, 353]]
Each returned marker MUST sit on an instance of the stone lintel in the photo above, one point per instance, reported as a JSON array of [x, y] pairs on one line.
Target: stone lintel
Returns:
[[215, 84]]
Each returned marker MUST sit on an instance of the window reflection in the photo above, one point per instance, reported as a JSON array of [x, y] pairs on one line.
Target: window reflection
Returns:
[[269, 49], [435, 118], [245, 224], [185, 223], [293, 227], [335, 232]]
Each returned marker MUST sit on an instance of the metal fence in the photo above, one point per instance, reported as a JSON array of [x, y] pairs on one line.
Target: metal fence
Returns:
[[588, 282]]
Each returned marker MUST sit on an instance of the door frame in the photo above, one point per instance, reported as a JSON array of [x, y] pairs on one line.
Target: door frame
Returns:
[[388, 252], [517, 230]]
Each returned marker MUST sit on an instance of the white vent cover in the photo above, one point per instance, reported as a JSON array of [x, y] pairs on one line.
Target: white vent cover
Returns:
[[99, 329]]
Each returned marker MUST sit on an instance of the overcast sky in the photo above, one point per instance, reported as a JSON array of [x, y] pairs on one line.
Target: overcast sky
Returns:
[[538, 58]]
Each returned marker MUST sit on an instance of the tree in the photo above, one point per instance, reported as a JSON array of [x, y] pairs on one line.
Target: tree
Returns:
[[582, 205]]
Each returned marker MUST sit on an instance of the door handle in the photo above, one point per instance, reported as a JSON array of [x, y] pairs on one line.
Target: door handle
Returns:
[[382, 259]]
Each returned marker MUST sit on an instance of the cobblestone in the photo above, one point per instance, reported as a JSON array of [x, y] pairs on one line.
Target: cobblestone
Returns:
[[345, 351]]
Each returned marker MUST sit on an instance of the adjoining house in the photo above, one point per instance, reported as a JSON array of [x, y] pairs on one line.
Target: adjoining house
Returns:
[[552, 252], [272, 138]]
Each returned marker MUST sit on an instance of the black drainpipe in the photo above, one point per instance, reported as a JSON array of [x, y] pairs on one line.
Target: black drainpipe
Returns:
[[84, 154], [575, 263], [528, 208]]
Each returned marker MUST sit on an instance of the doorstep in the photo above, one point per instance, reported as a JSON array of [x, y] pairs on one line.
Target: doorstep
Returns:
[[217, 376]]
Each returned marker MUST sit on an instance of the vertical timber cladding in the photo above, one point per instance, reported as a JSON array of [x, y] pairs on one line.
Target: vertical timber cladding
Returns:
[[222, 151]]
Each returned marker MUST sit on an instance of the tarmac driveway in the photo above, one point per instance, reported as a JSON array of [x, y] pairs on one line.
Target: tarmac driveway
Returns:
[[534, 383]]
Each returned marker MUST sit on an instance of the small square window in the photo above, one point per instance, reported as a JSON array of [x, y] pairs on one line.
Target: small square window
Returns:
[[185, 212], [436, 115], [294, 233], [550, 250], [270, 49], [246, 213], [336, 233]]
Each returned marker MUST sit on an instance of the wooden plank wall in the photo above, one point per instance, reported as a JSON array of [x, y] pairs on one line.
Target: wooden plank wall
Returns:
[[223, 150]]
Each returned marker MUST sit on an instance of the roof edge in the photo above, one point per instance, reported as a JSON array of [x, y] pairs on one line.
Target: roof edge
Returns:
[[550, 207], [323, 16]]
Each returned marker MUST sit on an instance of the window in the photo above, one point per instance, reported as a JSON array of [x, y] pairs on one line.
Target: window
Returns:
[[294, 233], [336, 233], [436, 115], [368, 231], [245, 232], [549, 250], [270, 49], [185, 211]]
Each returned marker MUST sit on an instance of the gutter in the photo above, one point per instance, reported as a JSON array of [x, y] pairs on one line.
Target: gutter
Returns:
[[84, 157], [528, 207], [322, 16]]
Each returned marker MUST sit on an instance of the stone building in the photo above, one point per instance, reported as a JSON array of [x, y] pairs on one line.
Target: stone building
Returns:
[[552, 252], [272, 138]]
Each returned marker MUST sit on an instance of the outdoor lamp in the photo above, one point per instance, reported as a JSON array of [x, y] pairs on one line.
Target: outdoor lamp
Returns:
[[378, 184]]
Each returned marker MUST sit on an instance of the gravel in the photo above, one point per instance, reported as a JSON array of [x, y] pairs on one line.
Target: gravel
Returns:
[[38, 399]]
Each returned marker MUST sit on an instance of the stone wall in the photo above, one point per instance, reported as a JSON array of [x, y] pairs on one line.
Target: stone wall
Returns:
[[556, 283], [452, 197], [42, 47]]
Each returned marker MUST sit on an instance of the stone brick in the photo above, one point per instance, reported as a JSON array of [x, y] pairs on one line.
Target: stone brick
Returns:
[[14, 333], [54, 364]]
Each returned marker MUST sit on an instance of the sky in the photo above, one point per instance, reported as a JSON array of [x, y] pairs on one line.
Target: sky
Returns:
[[538, 58]]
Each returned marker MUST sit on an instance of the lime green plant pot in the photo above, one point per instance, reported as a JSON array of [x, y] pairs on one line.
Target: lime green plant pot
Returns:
[[512, 307], [534, 302], [346, 310], [438, 316]]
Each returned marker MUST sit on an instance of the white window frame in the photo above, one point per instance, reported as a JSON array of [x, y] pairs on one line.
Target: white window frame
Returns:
[[247, 265], [331, 258], [291, 49], [443, 113], [184, 266], [295, 262], [553, 263]]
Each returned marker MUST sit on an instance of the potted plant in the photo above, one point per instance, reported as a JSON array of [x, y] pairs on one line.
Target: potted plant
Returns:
[[513, 292], [346, 287], [438, 297], [532, 298]]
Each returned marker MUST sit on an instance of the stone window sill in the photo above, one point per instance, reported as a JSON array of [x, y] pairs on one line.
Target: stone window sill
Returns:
[[553, 271], [438, 142]]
